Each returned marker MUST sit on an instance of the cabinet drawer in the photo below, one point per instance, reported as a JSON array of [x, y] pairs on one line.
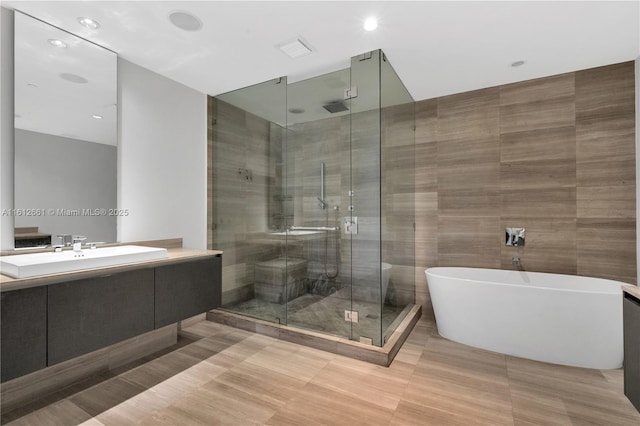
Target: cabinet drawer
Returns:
[[631, 314], [89, 314], [24, 331], [187, 289]]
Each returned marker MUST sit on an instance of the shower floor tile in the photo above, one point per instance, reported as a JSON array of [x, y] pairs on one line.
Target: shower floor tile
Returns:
[[322, 313]]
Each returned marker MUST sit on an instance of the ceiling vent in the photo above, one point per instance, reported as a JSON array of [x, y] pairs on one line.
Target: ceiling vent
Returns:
[[295, 48]]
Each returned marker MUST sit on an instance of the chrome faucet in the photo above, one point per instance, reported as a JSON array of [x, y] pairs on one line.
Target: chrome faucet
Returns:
[[65, 239], [515, 261], [77, 245], [514, 236]]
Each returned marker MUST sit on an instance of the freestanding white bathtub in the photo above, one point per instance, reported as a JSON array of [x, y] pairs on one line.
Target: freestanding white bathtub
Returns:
[[562, 319]]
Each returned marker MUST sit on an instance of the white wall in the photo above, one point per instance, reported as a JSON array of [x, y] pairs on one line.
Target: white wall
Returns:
[[6, 127], [162, 158]]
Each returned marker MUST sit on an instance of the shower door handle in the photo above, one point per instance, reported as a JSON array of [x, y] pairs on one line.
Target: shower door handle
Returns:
[[314, 228]]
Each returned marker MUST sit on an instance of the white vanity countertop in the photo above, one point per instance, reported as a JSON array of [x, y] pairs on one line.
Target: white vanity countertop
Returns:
[[173, 255]]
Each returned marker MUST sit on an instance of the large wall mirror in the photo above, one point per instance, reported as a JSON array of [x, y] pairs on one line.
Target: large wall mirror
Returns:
[[65, 136]]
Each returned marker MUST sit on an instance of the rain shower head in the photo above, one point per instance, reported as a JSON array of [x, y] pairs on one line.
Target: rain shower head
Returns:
[[337, 106]]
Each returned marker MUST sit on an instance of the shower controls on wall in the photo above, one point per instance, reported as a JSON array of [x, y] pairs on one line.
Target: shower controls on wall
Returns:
[[514, 236], [351, 225]]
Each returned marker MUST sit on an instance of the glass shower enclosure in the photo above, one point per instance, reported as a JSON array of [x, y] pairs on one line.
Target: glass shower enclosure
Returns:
[[313, 200]]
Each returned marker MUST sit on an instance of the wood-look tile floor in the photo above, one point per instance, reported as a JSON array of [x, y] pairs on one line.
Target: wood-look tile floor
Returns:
[[219, 375]]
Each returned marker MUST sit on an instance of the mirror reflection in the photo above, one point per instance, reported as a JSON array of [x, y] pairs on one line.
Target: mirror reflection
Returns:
[[65, 136]]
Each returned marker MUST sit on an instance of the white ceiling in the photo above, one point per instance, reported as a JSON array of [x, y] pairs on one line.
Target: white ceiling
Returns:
[[437, 48]]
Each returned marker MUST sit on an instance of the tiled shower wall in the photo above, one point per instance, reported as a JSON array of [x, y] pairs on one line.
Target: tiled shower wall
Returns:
[[242, 181], [308, 145], [555, 155], [397, 200], [247, 209]]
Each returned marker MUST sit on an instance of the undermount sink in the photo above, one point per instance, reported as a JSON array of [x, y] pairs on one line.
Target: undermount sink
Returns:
[[35, 264]]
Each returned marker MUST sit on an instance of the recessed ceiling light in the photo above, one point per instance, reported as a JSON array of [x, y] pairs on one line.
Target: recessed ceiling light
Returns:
[[97, 117], [517, 64], [185, 21], [58, 43], [73, 78], [296, 110], [89, 23], [370, 24], [295, 48]]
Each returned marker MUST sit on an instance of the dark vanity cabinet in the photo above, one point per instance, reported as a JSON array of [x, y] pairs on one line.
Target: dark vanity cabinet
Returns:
[[631, 314], [52, 323], [187, 289], [89, 314], [24, 331]]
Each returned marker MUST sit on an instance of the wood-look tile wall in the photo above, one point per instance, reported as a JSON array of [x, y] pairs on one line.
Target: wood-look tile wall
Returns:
[[397, 189], [309, 145], [380, 170], [240, 177], [555, 155]]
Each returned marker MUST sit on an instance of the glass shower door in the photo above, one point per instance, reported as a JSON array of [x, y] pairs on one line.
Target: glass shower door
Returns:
[[318, 182], [314, 200], [366, 198], [397, 196], [250, 207], [382, 188]]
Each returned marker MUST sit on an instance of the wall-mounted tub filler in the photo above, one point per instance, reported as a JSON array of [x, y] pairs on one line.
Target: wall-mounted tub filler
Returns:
[[514, 236]]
